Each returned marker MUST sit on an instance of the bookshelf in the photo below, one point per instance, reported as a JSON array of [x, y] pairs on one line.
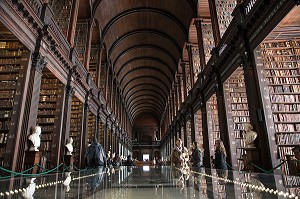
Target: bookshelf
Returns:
[[91, 127], [198, 128], [208, 39], [236, 103], [182, 135], [76, 127], [14, 59], [51, 93], [196, 62], [94, 62], [62, 13], [81, 39], [277, 60], [189, 134], [213, 122], [102, 78], [213, 135], [224, 10], [101, 133]]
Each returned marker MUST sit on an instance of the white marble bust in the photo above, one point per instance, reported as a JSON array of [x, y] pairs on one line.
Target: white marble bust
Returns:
[[69, 146], [67, 181], [35, 138], [29, 191], [249, 136]]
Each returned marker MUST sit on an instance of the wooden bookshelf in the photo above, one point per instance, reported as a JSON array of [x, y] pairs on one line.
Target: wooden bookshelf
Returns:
[[91, 127], [224, 10], [278, 65], [198, 128], [14, 59], [76, 127], [196, 62], [62, 13], [208, 39], [102, 78], [81, 39], [94, 62], [51, 93], [213, 135], [189, 134], [236, 103], [213, 122], [101, 133]]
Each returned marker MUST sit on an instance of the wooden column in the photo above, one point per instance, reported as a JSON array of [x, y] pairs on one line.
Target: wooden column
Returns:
[[214, 21], [72, 23], [87, 52], [83, 136], [179, 90], [189, 48], [206, 158], [98, 122], [101, 48], [30, 112], [69, 92], [200, 43], [193, 133], [176, 97], [184, 132], [222, 116], [184, 82]]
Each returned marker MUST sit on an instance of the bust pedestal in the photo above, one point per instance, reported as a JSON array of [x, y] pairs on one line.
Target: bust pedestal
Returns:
[[252, 155], [69, 160], [32, 158]]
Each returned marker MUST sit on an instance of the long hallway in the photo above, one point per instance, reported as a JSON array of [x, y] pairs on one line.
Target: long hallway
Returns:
[[134, 78]]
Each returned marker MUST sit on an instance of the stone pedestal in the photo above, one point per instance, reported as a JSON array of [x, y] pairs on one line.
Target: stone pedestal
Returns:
[[251, 155], [69, 160], [32, 158]]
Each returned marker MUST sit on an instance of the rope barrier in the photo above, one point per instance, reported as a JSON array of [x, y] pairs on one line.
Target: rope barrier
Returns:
[[23, 173]]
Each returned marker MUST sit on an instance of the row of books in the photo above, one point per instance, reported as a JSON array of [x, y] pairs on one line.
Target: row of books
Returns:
[[10, 44], [12, 68], [280, 65], [45, 120], [281, 58], [293, 181], [238, 94], [4, 125], [47, 128], [283, 80], [280, 44], [8, 84], [286, 117], [4, 52], [45, 98], [13, 76], [46, 136], [288, 138], [242, 106], [5, 114], [285, 107], [287, 127], [3, 138], [45, 146], [285, 98], [46, 105], [6, 103], [284, 72], [10, 61], [46, 112], [284, 89], [240, 113], [241, 119]]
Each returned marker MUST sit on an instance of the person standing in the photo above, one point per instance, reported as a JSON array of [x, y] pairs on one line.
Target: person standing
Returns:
[[220, 155], [197, 156], [95, 155], [180, 155]]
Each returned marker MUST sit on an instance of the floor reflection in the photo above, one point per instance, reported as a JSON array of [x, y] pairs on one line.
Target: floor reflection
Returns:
[[148, 182]]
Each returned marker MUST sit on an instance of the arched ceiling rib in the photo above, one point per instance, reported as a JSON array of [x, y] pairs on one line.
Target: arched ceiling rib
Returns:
[[144, 42]]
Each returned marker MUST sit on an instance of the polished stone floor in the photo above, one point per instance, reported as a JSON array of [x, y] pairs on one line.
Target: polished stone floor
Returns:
[[150, 183]]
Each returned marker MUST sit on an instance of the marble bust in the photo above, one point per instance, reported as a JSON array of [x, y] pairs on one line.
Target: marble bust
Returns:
[[30, 189], [69, 147], [67, 181], [35, 138], [249, 136]]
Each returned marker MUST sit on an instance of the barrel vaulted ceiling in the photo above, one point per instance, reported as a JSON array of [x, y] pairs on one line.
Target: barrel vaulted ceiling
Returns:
[[144, 42]]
